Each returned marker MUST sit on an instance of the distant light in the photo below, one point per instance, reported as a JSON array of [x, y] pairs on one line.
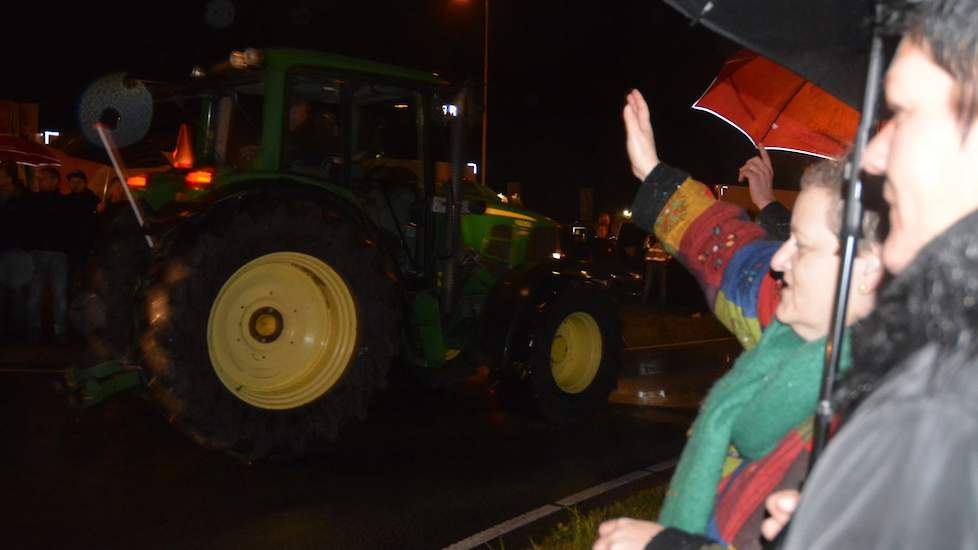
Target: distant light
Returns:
[[473, 166], [557, 255], [48, 134], [627, 214], [400, 105], [449, 109]]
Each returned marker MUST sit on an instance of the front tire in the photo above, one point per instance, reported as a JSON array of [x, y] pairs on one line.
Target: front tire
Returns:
[[575, 357], [270, 327]]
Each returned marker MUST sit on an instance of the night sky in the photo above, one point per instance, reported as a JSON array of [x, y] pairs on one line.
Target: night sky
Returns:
[[558, 73]]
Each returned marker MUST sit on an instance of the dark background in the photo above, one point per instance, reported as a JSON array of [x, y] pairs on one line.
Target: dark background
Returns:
[[558, 73]]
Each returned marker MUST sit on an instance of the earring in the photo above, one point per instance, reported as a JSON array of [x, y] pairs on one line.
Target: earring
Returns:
[[862, 288]]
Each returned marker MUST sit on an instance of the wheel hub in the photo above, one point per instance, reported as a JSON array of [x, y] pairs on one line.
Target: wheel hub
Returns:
[[575, 352], [266, 325]]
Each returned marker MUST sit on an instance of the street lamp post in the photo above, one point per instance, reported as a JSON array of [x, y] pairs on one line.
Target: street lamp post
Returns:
[[485, 87], [485, 95]]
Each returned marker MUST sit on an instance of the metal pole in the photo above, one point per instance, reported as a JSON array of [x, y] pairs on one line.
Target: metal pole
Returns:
[[117, 165], [485, 96], [851, 224]]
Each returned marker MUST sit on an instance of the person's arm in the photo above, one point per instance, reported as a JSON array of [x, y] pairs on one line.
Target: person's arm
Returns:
[[634, 534], [715, 240], [773, 217]]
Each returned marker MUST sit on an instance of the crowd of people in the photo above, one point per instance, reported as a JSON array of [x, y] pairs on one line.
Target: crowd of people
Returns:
[[900, 469], [47, 232]]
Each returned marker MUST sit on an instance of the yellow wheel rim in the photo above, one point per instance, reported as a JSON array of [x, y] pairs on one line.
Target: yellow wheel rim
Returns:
[[282, 330], [575, 353]]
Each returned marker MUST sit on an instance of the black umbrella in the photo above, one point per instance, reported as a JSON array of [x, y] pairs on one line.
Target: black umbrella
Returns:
[[824, 41], [838, 44]]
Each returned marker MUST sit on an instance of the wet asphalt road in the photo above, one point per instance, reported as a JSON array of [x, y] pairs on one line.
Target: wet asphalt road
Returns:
[[424, 470]]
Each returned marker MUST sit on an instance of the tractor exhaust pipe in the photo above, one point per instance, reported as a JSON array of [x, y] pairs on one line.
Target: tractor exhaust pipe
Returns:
[[453, 228]]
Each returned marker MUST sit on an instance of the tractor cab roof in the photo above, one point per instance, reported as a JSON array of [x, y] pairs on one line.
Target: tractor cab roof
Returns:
[[284, 59]]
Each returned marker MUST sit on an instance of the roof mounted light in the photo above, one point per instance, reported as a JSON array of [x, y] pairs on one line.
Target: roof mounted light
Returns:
[[250, 58]]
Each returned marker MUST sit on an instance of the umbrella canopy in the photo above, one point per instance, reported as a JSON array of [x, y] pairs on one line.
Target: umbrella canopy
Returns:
[[776, 107], [825, 42], [21, 151]]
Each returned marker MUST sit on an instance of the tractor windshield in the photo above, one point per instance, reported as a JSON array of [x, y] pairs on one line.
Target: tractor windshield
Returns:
[[236, 119]]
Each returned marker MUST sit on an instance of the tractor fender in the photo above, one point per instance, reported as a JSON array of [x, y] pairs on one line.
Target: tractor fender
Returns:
[[518, 303], [179, 219]]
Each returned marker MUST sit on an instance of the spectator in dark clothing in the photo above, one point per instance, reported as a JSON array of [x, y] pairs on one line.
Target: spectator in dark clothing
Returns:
[[114, 195], [80, 221], [16, 265], [45, 213], [78, 182]]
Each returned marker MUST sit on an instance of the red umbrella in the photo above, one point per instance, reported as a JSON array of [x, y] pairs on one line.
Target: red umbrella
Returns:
[[21, 151], [778, 108]]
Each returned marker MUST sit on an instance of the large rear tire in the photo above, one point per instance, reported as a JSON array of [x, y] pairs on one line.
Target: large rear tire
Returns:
[[270, 327], [120, 260]]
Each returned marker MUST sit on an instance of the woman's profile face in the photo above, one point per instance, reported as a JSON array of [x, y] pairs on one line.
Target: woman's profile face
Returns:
[[809, 262]]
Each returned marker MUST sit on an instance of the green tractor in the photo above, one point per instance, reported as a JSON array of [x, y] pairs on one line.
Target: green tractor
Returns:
[[313, 231]]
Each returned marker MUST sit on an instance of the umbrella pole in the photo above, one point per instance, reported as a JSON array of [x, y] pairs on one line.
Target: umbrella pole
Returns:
[[117, 166], [851, 225]]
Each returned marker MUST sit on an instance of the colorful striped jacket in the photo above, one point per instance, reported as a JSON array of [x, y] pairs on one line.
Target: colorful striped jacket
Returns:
[[718, 243], [730, 257], [739, 508]]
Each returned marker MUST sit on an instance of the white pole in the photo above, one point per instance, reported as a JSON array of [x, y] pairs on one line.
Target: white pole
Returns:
[[485, 97], [117, 165]]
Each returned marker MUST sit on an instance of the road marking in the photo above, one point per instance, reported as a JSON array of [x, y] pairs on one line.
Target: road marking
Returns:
[[662, 466], [500, 529], [592, 492], [681, 344]]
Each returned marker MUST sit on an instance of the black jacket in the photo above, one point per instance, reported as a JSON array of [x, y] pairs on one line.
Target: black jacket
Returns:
[[11, 221], [903, 470], [45, 225]]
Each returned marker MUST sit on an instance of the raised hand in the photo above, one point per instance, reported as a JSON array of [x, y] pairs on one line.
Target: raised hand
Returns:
[[625, 534], [760, 178], [639, 140]]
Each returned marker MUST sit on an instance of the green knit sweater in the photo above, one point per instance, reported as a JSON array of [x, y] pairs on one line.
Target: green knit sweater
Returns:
[[770, 389]]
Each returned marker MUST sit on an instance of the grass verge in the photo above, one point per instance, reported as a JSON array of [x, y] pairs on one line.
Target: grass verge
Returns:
[[581, 529]]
